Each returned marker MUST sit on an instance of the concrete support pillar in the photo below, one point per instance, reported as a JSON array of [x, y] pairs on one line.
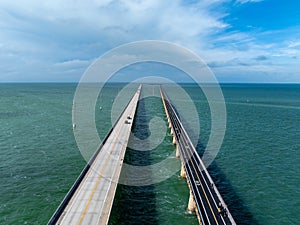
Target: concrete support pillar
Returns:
[[172, 132], [177, 151], [170, 125], [182, 171], [174, 140], [192, 203]]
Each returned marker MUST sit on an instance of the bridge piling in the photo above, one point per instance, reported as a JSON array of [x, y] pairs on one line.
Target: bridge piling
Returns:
[[177, 151], [192, 203], [174, 141], [203, 199], [182, 171]]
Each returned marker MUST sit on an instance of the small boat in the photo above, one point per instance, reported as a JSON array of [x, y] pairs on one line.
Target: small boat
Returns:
[[100, 102], [74, 118]]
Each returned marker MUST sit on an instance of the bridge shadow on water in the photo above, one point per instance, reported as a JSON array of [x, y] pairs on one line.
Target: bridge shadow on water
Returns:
[[237, 207], [136, 204]]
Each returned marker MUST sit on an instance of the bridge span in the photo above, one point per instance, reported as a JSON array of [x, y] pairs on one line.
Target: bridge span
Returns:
[[90, 199], [205, 198]]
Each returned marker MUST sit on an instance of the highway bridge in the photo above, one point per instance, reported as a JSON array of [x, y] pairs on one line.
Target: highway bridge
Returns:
[[90, 199], [205, 198]]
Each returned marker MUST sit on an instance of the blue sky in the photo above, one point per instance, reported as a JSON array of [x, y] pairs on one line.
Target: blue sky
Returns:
[[241, 40]]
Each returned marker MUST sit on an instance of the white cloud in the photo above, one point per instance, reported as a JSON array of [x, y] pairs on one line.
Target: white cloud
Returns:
[[67, 35], [246, 1], [294, 44], [64, 30], [73, 63]]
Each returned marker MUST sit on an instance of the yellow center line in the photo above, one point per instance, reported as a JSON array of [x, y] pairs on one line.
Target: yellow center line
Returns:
[[98, 181], [121, 155], [205, 194], [204, 191]]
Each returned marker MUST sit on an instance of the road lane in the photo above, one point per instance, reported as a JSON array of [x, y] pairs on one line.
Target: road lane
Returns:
[[92, 201], [204, 191]]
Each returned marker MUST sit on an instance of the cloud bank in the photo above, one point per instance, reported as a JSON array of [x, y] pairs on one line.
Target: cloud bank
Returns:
[[55, 40]]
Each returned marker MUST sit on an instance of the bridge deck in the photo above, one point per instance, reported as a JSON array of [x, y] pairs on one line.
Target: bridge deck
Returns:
[[92, 201], [204, 191]]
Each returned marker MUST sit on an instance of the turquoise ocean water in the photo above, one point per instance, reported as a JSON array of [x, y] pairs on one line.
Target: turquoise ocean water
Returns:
[[257, 168]]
